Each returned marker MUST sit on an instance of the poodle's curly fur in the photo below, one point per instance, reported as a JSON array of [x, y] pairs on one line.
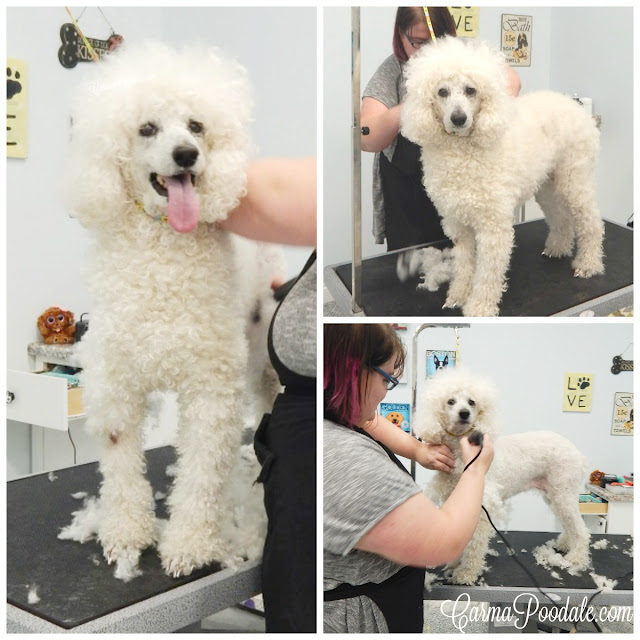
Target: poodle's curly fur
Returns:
[[484, 153], [159, 155], [455, 402]]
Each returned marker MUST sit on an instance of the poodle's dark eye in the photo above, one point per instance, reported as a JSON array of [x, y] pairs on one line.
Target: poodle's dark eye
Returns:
[[472, 403], [470, 91], [148, 129], [451, 401], [60, 318], [50, 319], [195, 127], [443, 93]]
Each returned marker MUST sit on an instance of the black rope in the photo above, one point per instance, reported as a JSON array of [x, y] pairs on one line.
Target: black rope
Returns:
[[72, 444]]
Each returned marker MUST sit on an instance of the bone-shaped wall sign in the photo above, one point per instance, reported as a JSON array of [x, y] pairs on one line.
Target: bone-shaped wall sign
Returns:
[[621, 365], [74, 50]]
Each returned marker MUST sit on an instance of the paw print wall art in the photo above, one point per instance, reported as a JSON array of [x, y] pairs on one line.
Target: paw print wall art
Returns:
[[16, 108], [578, 390]]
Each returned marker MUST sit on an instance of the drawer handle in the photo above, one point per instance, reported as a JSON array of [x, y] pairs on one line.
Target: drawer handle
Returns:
[[10, 397]]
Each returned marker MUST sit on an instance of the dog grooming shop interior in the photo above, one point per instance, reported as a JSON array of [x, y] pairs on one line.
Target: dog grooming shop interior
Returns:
[[552, 550], [476, 215], [158, 367], [547, 48], [559, 412]]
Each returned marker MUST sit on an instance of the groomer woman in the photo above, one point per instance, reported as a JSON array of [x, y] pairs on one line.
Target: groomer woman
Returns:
[[380, 530], [280, 206], [403, 212]]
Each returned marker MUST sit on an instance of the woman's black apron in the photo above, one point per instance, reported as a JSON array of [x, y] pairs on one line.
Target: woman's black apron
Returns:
[[400, 597], [285, 444], [410, 218]]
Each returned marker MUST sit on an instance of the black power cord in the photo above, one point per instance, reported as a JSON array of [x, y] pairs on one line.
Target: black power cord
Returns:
[[477, 438]]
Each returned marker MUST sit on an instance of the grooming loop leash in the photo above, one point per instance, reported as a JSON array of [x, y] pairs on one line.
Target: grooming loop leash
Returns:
[[428, 18], [92, 53]]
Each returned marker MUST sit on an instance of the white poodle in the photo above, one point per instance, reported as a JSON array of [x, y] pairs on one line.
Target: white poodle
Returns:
[[454, 403], [159, 154], [484, 153]]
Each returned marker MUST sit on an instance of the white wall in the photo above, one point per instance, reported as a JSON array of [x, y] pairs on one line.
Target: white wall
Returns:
[[587, 50], [528, 363], [45, 248]]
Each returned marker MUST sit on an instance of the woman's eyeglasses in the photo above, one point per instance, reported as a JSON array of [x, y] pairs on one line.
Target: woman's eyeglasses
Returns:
[[391, 381], [416, 43]]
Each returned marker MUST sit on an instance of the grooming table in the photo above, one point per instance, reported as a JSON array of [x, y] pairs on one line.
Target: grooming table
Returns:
[[76, 588], [504, 579], [538, 286]]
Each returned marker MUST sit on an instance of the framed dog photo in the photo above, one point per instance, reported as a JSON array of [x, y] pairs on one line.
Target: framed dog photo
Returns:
[[516, 39], [438, 359], [398, 413], [622, 422]]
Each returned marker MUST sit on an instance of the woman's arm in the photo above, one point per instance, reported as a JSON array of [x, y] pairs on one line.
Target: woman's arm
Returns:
[[436, 457], [513, 82], [420, 534], [280, 205], [383, 123]]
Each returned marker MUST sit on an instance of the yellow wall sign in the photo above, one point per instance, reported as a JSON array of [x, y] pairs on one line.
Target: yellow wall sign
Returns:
[[578, 388], [16, 108], [467, 21]]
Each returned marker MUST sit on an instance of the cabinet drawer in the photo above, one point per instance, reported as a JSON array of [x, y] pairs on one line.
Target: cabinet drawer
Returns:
[[42, 400]]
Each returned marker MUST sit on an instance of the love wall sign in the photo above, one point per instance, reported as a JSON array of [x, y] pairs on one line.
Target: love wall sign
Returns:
[[578, 390]]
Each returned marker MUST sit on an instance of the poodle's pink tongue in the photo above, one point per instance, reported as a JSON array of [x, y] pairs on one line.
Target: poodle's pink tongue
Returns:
[[183, 210]]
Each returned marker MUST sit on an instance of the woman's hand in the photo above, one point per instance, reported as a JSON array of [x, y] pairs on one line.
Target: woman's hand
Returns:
[[470, 451], [437, 457]]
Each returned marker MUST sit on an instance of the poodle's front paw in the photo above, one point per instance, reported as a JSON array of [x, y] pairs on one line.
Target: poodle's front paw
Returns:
[[587, 272], [562, 542], [464, 575], [185, 547], [451, 303], [480, 308], [558, 247], [456, 296], [123, 538], [587, 267]]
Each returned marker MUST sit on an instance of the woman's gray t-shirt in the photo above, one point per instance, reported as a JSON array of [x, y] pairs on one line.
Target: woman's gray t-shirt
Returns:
[[361, 486]]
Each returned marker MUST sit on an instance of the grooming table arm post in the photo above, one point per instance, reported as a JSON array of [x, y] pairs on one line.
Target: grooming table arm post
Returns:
[[356, 177]]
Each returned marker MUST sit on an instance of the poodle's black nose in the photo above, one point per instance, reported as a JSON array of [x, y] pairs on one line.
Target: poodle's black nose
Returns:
[[458, 118], [185, 156], [464, 414]]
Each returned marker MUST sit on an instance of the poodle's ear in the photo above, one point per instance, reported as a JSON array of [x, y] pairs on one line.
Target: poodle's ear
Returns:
[[428, 419], [486, 397], [230, 105], [496, 105], [419, 121], [93, 188]]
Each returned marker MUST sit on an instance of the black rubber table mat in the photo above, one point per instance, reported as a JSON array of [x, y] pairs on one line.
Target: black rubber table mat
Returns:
[[503, 571], [538, 286], [73, 581]]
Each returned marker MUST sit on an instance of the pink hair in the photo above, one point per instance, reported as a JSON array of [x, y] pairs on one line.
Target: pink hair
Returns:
[[342, 374]]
